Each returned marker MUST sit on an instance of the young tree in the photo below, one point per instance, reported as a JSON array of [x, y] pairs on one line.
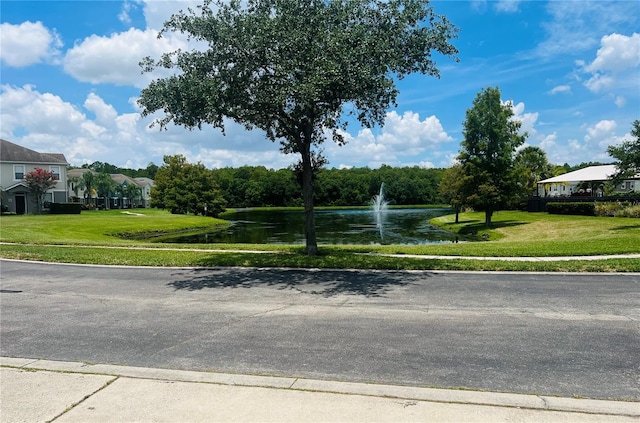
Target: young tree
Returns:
[[532, 166], [627, 155], [183, 188], [289, 67], [39, 182], [491, 137], [451, 187]]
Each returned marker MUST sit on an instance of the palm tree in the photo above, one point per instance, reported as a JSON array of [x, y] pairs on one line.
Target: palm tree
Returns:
[[74, 183], [87, 184], [132, 192], [105, 186], [533, 166]]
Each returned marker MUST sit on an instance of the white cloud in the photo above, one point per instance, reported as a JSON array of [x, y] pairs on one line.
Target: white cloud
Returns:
[[620, 101], [401, 137], [599, 82], [549, 142], [617, 53], [105, 113], [577, 25], [615, 67], [54, 125], [27, 44], [602, 129], [158, 12], [599, 136], [528, 120], [560, 89], [115, 59], [507, 6], [124, 16]]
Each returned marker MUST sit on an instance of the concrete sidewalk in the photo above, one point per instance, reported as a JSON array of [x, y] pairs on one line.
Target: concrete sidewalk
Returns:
[[43, 391]]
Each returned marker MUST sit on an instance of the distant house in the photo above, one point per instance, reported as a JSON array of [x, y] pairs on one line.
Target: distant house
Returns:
[[145, 184], [586, 182], [115, 199], [15, 163]]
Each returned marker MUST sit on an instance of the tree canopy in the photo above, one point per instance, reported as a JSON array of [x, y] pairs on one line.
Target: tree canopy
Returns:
[[491, 137], [627, 155], [532, 165], [289, 67], [182, 187], [39, 182]]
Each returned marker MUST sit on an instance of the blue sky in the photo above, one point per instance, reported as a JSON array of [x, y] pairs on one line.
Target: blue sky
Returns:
[[69, 80]]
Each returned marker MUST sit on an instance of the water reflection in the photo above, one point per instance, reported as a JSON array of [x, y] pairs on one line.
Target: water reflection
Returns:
[[362, 226]]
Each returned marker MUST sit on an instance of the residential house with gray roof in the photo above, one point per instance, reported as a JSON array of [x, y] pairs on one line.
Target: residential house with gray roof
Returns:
[[15, 162]]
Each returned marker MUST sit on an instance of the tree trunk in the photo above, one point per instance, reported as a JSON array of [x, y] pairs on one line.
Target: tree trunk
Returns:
[[457, 214], [307, 195], [487, 217]]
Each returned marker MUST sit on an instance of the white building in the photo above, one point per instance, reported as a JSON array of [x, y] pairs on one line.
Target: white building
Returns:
[[587, 182]]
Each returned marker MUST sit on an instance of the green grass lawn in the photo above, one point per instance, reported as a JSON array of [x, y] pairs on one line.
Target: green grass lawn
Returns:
[[92, 237]]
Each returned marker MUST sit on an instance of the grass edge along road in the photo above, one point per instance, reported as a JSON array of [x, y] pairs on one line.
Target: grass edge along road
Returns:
[[83, 238]]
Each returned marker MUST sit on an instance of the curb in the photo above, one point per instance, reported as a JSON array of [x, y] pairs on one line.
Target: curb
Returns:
[[449, 396]]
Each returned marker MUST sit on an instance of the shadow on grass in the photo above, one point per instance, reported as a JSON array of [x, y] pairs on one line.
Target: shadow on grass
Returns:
[[327, 283], [472, 229], [626, 227]]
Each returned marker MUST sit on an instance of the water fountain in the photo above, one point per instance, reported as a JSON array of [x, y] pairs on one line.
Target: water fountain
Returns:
[[379, 207], [378, 202]]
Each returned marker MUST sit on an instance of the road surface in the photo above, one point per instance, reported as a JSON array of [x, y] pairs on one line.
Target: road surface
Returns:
[[550, 334]]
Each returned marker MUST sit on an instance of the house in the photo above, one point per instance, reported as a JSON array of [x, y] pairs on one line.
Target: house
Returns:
[[15, 163], [145, 184], [586, 182], [118, 198]]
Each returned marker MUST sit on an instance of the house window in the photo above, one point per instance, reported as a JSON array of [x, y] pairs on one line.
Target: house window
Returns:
[[18, 172], [56, 172]]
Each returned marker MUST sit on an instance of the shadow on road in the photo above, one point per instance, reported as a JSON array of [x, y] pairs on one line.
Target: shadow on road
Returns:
[[327, 283]]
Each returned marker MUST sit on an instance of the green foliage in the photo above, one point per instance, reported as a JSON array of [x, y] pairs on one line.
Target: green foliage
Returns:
[[256, 186], [289, 67], [627, 155], [531, 166], [580, 208], [617, 209], [451, 187], [181, 188], [39, 181], [105, 186], [491, 138]]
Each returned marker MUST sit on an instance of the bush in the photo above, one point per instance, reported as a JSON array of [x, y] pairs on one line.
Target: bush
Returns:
[[65, 208], [617, 209], [581, 209]]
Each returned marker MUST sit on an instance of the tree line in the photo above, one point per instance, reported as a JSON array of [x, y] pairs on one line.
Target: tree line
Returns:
[[183, 187]]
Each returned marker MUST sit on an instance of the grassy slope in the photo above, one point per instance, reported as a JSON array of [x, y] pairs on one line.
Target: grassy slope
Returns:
[[515, 234]]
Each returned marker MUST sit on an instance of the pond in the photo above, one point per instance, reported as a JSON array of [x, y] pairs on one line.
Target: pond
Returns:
[[354, 226]]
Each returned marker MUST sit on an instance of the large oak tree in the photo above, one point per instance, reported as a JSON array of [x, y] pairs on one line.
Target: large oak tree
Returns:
[[293, 67]]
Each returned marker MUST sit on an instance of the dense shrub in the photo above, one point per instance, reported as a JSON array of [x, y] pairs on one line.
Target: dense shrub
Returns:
[[582, 209], [617, 209], [65, 208]]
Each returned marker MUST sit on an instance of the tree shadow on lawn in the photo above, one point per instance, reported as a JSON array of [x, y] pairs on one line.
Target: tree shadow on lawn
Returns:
[[474, 228], [626, 227], [327, 283]]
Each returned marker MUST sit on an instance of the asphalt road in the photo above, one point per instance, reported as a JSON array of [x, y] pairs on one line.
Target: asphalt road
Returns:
[[552, 334]]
